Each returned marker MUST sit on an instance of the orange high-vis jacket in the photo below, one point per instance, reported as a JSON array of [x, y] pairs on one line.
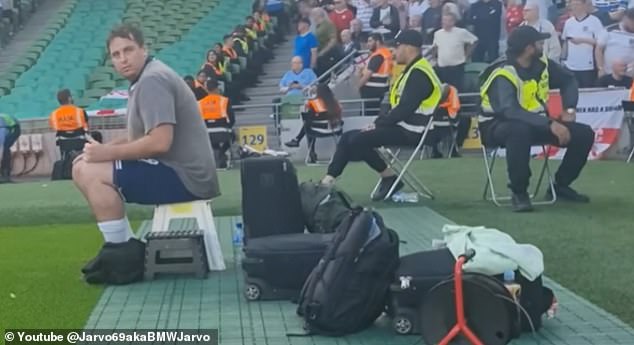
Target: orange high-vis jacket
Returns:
[[451, 103], [214, 107], [231, 53], [317, 105], [380, 78], [68, 118], [632, 92]]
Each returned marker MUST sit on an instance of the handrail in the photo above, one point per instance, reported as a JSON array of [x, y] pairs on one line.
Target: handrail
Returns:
[[333, 68]]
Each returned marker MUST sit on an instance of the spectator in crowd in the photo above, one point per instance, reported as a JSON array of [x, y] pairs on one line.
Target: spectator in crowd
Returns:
[[295, 80], [247, 75], [328, 51], [416, 9], [552, 46], [348, 45], [358, 36], [9, 134], [375, 78], [486, 18], [403, 8], [452, 46], [341, 16], [616, 44], [303, 10], [432, 19], [415, 23], [609, 11], [276, 9], [322, 114], [618, 76], [213, 69], [165, 158], [450, 7], [219, 118], [580, 35], [364, 14], [306, 44], [514, 14], [515, 92], [385, 19]]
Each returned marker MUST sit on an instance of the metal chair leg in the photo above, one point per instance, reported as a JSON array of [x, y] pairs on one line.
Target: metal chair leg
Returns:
[[629, 159]]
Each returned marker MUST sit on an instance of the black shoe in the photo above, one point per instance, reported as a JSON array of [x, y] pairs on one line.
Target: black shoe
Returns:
[[568, 194], [521, 202], [312, 158], [95, 263], [293, 143], [384, 188], [455, 153]]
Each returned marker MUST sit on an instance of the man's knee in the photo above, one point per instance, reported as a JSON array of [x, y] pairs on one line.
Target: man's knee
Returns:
[[84, 172], [582, 133]]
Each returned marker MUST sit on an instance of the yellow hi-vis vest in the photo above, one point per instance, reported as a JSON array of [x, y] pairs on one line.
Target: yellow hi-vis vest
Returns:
[[243, 44], [531, 95], [427, 106]]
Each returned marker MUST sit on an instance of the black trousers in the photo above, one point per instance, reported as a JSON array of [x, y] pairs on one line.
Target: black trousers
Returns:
[[372, 108], [486, 50], [452, 75], [356, 145], [586, 79], [518, 137]]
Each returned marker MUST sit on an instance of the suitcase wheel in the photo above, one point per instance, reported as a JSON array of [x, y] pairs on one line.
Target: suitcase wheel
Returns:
[[403, 323], [252, 292]]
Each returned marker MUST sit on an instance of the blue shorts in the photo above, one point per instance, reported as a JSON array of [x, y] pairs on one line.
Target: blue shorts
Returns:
[[149, 182]]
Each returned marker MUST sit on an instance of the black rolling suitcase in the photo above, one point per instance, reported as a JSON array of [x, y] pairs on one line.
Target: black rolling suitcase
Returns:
[[420, 272], [271, 203], [277, 266], [417, 274]]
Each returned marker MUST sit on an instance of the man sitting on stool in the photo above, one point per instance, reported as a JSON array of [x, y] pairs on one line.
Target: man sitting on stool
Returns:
[[414, 97], [514, 97], [219, 117], [70, 124]]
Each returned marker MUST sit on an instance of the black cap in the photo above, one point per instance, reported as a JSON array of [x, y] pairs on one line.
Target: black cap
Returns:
[[410, 38], [523, 36]]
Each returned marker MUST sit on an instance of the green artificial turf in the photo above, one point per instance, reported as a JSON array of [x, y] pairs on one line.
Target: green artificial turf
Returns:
[[586, 247]]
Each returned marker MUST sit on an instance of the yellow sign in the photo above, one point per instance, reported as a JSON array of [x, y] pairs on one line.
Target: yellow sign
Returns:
[[253, 136], [473, 138]]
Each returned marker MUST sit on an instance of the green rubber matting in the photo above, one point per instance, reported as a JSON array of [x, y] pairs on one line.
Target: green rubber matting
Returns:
[[218, 301]]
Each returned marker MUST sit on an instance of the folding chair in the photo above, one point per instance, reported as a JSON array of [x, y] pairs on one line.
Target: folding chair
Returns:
[[498, 200], [314, 133], [221, 135], [391, 158]]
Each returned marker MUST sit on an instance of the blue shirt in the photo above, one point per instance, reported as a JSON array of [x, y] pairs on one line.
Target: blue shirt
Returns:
[[304, 78], [303, 45]]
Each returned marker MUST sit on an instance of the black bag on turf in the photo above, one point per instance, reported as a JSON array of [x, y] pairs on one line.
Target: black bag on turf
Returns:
[[277, 266], [324, 206], [419, 272], [348, 289], [270, 197]]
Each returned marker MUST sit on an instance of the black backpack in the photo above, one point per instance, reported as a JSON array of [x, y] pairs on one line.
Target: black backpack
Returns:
[[348, 289], [324, 206]]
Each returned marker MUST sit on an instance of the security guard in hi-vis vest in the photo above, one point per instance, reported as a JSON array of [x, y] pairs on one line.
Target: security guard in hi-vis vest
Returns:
[[514, 93], [375, 78], [70, 124], [414, 97], [219, 118]]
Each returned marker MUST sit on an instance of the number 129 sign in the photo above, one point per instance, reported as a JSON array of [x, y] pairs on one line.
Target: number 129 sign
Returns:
[[253, 136]]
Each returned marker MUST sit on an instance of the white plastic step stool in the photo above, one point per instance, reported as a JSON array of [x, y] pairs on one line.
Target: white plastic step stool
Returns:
[[201, 210]]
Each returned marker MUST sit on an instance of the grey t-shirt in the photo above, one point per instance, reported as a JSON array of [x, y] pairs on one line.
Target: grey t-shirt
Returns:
[[160, 96]]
